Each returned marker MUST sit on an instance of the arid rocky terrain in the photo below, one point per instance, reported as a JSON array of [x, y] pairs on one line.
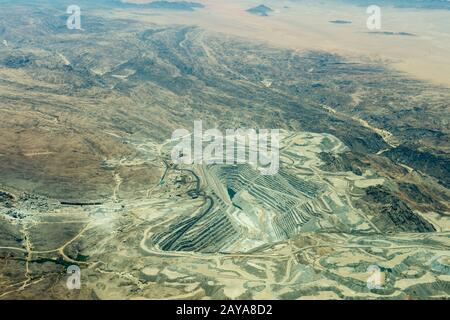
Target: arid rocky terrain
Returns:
[[86, 177]]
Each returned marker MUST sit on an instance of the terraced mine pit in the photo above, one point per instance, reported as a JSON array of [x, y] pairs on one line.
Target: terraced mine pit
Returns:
[[87, 178], [266, 209]]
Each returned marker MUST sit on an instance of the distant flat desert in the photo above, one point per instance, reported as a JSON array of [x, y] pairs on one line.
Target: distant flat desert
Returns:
[[306, 25]]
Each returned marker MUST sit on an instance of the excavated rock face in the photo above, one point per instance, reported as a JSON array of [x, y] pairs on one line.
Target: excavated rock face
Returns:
[[320, 187], [84, 178]]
